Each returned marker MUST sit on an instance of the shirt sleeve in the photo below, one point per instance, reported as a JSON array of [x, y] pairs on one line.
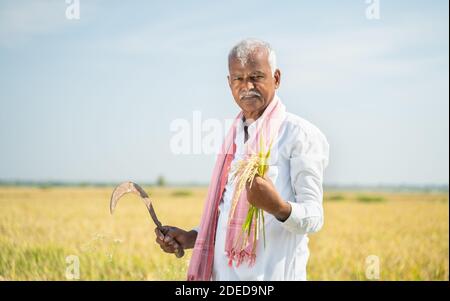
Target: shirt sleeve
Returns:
[[309, 158]]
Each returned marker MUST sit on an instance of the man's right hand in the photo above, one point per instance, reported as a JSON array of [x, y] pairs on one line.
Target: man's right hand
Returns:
[[175, 237]]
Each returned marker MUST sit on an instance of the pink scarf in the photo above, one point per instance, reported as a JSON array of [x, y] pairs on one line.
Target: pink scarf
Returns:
[[201, 264]]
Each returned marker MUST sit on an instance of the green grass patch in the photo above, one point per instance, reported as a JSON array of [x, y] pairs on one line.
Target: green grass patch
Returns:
[[370, 198], [182, 193], [335, 197]]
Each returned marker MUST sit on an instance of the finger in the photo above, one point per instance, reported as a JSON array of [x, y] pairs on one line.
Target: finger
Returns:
[[169, 245], [177, 246], [163, 248], [179, 253], [168, 237], [159, 241], [258, 179], [172, 243], [254, 181], [166, 245], [167, 249], [159, 234], [165, 229], [166, 241]]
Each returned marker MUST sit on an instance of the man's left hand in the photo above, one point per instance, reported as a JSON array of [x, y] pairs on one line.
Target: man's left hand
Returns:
[[263, 194]]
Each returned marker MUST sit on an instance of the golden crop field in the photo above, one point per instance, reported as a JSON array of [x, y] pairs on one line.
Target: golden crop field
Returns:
[[41, 227]]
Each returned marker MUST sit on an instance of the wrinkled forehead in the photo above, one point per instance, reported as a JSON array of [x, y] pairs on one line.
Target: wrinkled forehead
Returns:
[[257, 60]]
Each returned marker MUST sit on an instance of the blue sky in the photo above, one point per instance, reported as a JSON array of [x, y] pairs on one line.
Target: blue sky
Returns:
[[93, 99]]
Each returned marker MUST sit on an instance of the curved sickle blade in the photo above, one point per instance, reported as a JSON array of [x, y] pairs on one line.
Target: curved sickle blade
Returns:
[[130, 187]]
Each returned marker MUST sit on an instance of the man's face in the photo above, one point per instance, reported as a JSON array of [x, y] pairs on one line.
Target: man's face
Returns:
[[252, 84]]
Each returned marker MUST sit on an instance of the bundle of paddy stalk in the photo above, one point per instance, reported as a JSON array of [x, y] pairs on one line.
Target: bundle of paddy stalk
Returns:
[[245, 172]]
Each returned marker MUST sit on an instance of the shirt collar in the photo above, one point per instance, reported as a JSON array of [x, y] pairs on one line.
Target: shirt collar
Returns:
[[251, 127]]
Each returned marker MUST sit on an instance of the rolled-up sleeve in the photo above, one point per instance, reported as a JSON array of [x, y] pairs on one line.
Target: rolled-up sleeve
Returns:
[[309, 158]]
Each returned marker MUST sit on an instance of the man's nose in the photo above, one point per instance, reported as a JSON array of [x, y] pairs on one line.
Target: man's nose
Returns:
[[249, 85]]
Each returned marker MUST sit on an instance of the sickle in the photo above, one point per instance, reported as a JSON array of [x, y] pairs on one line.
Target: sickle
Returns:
[[130, 187]]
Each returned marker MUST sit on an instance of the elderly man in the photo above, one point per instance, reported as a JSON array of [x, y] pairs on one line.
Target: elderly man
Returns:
[[290, 194]]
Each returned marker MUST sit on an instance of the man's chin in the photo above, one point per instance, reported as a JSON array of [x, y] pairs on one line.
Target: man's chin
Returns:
[[251, 107], [251, 102]]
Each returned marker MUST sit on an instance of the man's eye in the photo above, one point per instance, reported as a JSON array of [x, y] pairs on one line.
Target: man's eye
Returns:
[[238, 78], [257, 77]]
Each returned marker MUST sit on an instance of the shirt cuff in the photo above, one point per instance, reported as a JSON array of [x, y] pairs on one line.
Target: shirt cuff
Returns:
[[294, 219]]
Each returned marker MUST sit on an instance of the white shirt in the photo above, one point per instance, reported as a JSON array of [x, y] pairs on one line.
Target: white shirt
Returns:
[[297, 161]]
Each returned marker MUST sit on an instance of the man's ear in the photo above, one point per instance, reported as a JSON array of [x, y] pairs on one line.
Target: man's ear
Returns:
[[277, 77], [229, 81]]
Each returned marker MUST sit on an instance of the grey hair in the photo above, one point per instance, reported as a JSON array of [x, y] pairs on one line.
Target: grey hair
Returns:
[[244, 48]]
